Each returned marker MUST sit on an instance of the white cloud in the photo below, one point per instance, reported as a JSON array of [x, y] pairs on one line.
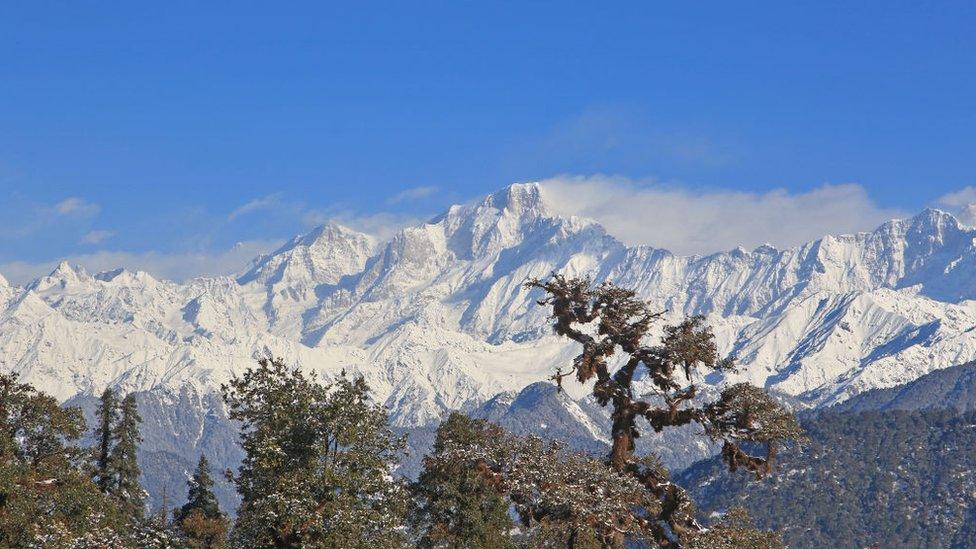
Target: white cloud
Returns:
[[689, 220], [961, 203], [170, 266], [265, 203], [22, 218], [96, 236], [410, 195], [76, 206], [382, 226], [963, 197]]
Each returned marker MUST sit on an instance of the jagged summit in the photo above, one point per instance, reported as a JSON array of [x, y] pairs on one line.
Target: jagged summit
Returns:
[[325, 235], [123, 276], [62, 276], [67, 271], [321, 256], [520, 199]]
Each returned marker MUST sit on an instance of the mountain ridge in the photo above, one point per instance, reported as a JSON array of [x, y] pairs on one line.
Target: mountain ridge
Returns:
[[334, 286], [438, 317]]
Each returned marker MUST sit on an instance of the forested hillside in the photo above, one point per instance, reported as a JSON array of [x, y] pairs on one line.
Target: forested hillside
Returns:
[[864, 479]]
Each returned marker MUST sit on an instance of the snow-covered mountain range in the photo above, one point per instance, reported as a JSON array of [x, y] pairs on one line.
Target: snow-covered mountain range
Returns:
[[438, 318]]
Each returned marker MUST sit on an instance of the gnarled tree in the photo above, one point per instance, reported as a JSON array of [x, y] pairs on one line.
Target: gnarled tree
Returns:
[[612, 324]]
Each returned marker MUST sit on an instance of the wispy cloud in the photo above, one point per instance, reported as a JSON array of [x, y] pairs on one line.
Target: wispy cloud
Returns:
[[962, 203], [75, 206], [23, 218], [410, 195], [963, 197], [688, 220], [258, 204], [96, 236], [381, 226]]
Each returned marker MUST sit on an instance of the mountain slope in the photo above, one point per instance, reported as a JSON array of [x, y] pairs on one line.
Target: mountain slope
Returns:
[[953, 388]]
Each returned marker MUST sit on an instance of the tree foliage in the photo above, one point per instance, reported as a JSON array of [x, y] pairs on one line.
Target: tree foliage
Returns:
[[200, 520], [123, 465], [202, 532], [107, 416], [561, 498], [455, 507], [318, 466], [734, 531], [46, 499]]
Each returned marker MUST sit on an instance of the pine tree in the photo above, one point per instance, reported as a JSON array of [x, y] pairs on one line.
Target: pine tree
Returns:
[[318, 466], [162, 516], [455, 507], [123, 464], [107, 416], [200, 496], [200, 519]]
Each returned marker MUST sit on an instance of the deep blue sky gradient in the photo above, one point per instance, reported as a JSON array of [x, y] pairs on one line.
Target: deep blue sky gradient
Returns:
[[170, 115]]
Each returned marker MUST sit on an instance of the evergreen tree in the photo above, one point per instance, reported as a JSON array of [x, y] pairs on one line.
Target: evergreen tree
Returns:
[[46, 498], [200, 519], [122, 460], [734, 531], [455, 507], [562, 499], [200, 532], [318, 466], [107, 417], [200, 495]]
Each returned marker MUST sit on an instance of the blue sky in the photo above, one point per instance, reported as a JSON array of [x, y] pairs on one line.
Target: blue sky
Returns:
[[169, 132]]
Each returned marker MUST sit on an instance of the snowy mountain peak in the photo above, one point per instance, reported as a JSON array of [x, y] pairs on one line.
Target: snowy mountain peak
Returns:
[[519, 199], [66, 270], [125, 277], [932, 220], [321, 256], [328, 234], [63, 276]]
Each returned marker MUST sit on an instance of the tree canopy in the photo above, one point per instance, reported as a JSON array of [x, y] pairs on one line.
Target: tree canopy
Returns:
[[46, 498], [319, 460]]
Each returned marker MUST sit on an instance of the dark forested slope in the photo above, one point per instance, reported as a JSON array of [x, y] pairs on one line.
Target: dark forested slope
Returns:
[[890, 478]]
